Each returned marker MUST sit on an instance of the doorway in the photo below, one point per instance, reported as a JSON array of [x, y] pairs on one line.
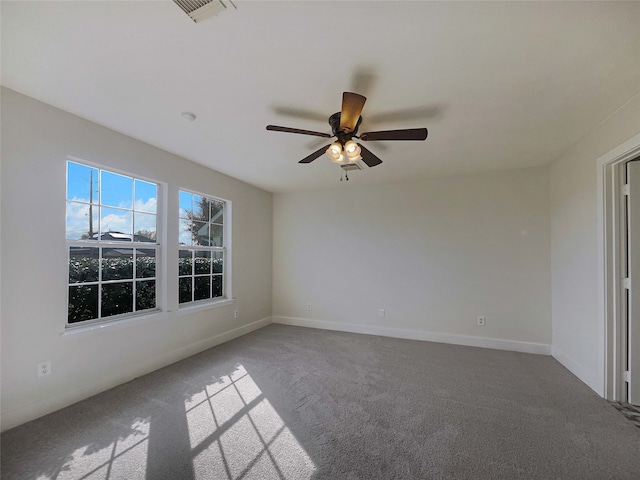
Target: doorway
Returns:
[[619, 228], [631, 324]]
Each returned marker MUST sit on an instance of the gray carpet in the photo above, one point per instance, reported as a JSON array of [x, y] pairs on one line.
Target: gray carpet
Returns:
[[295, 403]]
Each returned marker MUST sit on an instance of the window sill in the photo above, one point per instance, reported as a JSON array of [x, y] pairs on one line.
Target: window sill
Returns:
[[119, 322], [145, 317], [188, 309]]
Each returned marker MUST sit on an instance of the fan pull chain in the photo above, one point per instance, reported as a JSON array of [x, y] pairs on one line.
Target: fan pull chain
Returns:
[[341, 173], [346, 174]]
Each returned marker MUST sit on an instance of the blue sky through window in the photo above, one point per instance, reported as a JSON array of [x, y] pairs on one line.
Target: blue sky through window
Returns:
[[81, 180], [127, 205], [117, 190], [185, 203]]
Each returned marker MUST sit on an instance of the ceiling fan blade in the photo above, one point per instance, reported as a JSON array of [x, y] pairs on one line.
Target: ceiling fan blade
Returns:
[[275, 128], [369, 158], [364, 79], [407, 134], [314, 155], [352, 105], [426, 112], [299, 113], [316, 142]]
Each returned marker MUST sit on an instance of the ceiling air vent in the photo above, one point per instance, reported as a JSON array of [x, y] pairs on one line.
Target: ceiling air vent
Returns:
[[352, 166], [200, 9]]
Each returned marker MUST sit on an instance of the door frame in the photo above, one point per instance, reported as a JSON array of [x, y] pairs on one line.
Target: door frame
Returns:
[[612, 263]]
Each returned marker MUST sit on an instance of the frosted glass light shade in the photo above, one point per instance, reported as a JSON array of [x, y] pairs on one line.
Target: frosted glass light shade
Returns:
[[352, 150], [334, 152], [339, 160]]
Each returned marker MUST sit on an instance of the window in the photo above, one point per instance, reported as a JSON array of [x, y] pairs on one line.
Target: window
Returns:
[[112, 242], [202, 251]]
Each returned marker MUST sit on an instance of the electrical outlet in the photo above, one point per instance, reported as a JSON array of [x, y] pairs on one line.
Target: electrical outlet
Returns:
[[236, 314], [481, 320], [308, 306], [381, 312], [44, 369]]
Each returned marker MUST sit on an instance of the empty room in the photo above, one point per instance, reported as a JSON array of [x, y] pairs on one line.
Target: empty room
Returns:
[[309, 240]]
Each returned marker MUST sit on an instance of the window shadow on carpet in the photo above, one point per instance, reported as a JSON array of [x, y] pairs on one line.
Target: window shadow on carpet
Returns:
[[197, 419]]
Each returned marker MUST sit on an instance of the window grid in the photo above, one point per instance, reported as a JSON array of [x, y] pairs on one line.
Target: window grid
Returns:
[[215, 278], [92, 245], [137, 278], [202, 225], [97, 205]]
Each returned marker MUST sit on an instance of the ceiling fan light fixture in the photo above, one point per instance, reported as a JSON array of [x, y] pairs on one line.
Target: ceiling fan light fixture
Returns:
[[334, 152], [339, 160], [344, 126], [352, 150]]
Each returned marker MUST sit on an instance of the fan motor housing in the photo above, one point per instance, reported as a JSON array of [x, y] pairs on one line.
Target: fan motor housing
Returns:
[[334, 121]]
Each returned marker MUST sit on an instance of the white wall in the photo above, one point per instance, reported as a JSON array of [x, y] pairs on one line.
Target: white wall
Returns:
[[36, 141], [434, 254], [578, 327]]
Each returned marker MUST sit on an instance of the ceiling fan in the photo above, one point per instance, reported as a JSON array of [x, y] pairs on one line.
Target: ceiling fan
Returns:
[[344, 126]]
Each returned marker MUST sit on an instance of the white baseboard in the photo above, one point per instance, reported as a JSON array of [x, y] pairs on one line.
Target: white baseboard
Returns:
[[455, 339], [52, 403], [584, 375]]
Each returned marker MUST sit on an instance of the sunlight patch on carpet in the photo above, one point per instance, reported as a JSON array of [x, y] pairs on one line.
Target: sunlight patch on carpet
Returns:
[[234, 428]]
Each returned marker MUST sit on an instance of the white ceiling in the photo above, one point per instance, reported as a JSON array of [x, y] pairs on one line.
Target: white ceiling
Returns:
[[499, 85]]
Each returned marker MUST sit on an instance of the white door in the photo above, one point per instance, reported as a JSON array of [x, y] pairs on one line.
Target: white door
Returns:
[[633, 273]]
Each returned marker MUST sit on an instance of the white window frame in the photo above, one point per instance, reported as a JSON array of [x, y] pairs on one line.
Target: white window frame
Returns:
[[225, 249], [105, 244]]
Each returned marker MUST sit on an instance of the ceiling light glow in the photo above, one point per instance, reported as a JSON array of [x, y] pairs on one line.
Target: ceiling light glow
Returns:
[[352, 149], [334, 152]]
